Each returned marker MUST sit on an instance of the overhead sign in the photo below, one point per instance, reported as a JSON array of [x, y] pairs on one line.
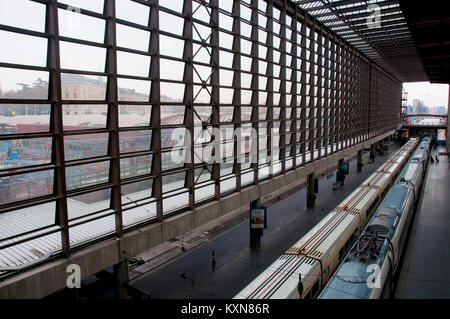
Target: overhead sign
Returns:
[[258, 217]]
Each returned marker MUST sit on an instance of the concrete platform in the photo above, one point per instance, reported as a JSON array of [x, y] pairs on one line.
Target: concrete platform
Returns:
[[236, 263], [425, 271]]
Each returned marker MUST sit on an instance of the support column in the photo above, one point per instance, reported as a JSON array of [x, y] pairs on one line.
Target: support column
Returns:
[[255, 233], [359, 160], [121, 278], [310, 191]]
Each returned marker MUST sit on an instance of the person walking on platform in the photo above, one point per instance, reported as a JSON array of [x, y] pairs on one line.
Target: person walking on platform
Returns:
[[213, 260], [372, 156], [437, 160]]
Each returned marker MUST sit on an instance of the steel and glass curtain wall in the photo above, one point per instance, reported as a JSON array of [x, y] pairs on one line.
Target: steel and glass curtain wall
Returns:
[[99, 100]]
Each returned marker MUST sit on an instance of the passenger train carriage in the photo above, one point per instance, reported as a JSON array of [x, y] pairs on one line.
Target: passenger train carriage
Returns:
[[369, 267], [317, 254]]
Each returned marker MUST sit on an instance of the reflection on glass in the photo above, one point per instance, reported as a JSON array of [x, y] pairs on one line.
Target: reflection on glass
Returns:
[[87, 174], [25, 186], [85, 146]]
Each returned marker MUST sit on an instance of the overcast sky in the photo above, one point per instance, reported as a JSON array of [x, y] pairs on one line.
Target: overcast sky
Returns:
[[431, 94]]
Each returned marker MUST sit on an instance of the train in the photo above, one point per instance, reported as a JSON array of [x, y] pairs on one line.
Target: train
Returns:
[[305, 268], [368, 269]]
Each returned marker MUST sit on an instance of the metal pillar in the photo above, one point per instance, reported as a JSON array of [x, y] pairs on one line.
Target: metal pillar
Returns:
[[255, 234], [310, 191]]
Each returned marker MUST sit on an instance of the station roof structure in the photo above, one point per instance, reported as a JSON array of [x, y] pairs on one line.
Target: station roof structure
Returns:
[[401, 42]]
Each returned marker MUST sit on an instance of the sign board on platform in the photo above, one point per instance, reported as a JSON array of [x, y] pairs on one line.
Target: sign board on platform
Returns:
[[258, 217]]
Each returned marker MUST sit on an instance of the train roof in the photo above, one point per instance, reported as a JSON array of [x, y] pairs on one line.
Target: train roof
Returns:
[[280, 279], [349, 282]]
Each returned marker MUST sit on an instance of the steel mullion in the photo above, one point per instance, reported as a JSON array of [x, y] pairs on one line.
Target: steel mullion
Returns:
[[269, 75], [282, 119], [326, 106], [56, 126], [215, 94], [311, 94], [155, 101], [303, 94], [319, 106], [188, 79], [255, 90], [236, 85], [294, 81], [113, 114]]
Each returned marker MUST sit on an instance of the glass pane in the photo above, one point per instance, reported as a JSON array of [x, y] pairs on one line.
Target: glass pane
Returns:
[[132, 38], [23, 14], [173, 181], [176, 5], [83, 87], [170, 23], [28, 222], [171, 46], [24, 118], [134, 115], [80, 26], [172, 70], [87, 174], [15, 51], [172, 115], [134, 90], [82, 57], [85, 146], [25, 186], [25, 152], [172, 92], [135, 141], [131, 193], [135, 166], [84, 116], [81, 205], [132, 11], [169, 163], [23, 84], [91, 5], [133, 64]]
